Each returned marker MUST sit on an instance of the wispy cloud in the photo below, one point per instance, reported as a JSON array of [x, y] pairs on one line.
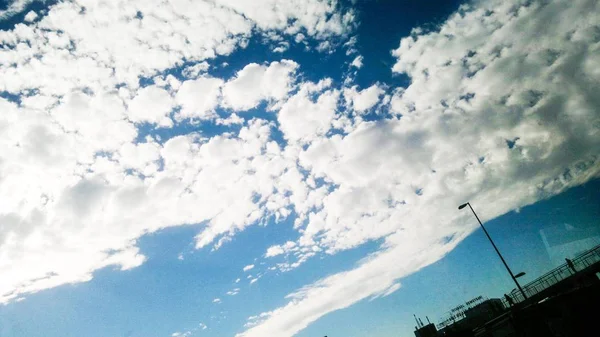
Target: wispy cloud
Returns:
[[15, 7], [488, 75], [80, 166], [88, 122]]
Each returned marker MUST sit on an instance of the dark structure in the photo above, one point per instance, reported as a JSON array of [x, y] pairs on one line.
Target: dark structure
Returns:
[[422, 330], [428, 330], [474, 313], [484, 311], [563, 302], [563, 278]]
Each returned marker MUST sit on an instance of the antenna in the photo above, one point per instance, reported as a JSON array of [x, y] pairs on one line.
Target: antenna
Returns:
[[417, 320], [428, 320]]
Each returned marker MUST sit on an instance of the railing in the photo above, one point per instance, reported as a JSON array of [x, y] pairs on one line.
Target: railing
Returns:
[[580, 262]]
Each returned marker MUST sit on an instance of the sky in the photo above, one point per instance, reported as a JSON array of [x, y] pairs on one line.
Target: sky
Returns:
[[285, 168]]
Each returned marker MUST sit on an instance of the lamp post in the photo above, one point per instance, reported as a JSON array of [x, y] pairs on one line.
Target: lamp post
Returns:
[[496, 248]]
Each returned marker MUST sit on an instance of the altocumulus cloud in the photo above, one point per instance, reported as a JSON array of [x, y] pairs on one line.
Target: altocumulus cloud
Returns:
[[502, 107], [78, 187]]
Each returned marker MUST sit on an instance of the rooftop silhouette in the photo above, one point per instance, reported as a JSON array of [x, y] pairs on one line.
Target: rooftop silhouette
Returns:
[[558, 303]]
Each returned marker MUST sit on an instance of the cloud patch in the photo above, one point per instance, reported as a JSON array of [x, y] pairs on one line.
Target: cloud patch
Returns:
[[256, 83], [499, 112]]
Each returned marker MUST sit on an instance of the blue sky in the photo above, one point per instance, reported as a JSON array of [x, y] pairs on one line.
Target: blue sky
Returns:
[[178, 294], [189, 168]]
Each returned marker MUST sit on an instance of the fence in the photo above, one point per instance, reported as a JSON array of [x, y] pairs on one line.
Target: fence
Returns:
[[580, 262]]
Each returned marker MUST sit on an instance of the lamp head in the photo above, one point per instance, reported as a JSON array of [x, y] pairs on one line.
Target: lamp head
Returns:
[[463, 205]]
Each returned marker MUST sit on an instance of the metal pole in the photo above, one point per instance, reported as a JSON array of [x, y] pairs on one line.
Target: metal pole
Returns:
[[497, 251]]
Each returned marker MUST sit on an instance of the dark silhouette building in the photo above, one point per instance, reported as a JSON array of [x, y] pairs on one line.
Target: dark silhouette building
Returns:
[[562, 302], [466, 317], [428, 330], [422, 330], [484, 311]]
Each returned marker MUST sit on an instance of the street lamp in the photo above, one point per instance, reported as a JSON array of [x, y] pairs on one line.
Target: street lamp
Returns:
[[496, 248]]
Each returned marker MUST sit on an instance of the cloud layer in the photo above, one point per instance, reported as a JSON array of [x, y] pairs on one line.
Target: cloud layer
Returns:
[[79, 184], [501, 110]]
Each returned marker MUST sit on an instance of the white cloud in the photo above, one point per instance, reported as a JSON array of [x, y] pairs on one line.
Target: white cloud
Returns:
[[15, 7], [365, 99], [257, 82], [280, 249], [233, 119], [116, 42], [111, 45], [200, 327], [302, 119], [31, 16], [274, 251], [217, 300], [233, 292], [248, 267], [325, 47], [140, 156], [357, 62], [194, 71], [153, 105], [282, 47], [82, 114], [198, 97], [374, 276], [489, 75], [98, 211], [79, 188], [317, 18]]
